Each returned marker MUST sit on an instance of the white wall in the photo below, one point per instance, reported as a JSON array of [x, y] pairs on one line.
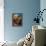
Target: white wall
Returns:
[[1, 20]]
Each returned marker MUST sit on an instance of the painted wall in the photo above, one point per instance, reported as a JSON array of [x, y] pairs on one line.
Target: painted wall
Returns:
[[1, 20], [28, 8], [43, 6]]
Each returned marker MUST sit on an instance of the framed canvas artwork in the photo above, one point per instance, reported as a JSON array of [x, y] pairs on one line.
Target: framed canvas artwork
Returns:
[[17, 19]]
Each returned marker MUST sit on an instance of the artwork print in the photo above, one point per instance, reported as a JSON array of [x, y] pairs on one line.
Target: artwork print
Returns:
[[17, 19]]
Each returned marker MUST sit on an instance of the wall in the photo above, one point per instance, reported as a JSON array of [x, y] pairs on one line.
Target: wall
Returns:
[[28, 8], [43, 6], [1, 20]]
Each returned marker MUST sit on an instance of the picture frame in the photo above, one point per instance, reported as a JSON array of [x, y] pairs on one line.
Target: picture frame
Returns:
[[17, 19]]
